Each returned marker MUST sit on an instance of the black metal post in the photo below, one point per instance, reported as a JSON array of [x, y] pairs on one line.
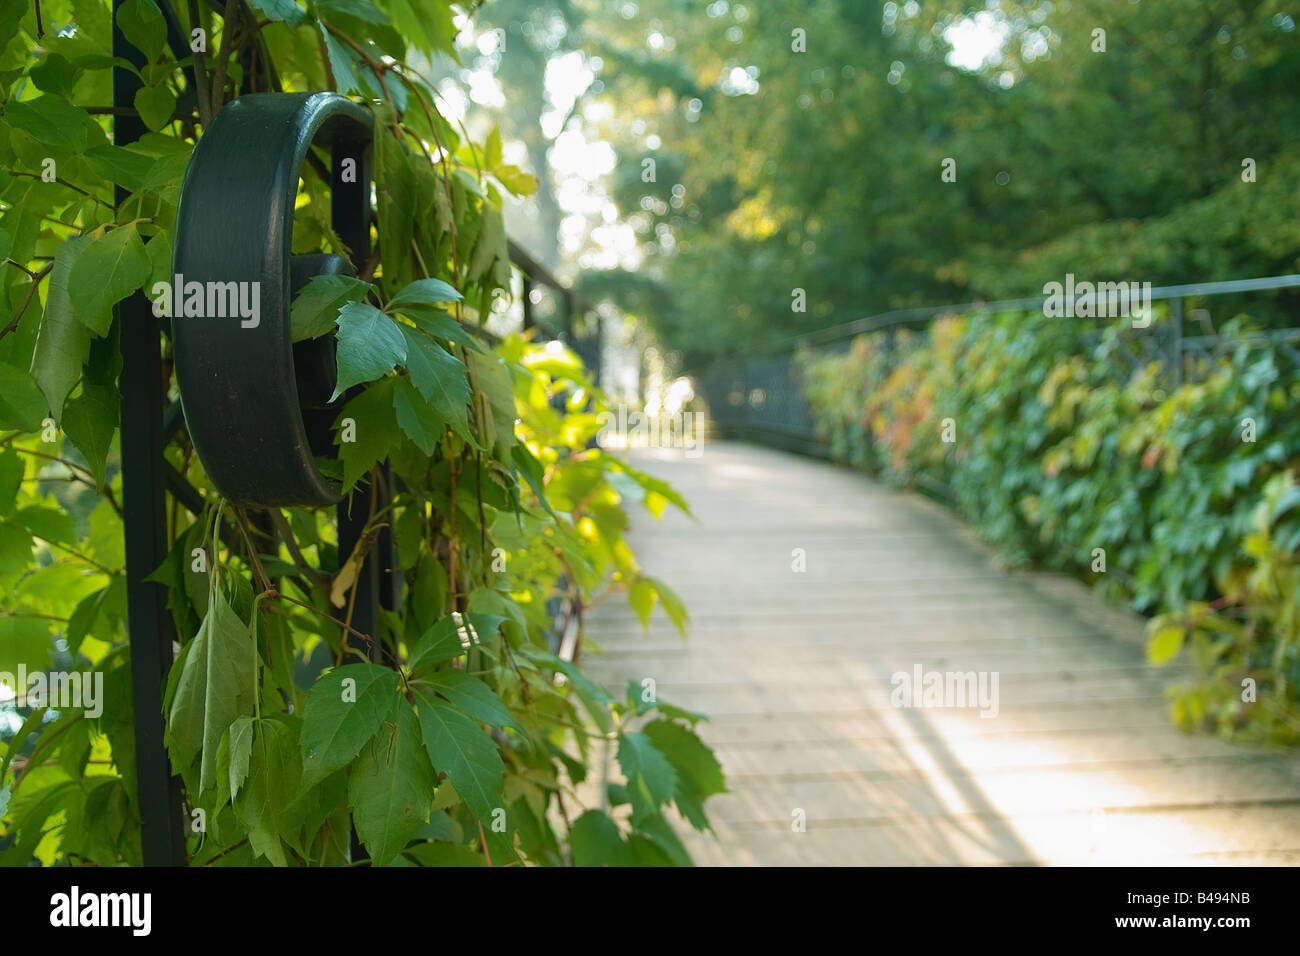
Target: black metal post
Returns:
[[143, 501]]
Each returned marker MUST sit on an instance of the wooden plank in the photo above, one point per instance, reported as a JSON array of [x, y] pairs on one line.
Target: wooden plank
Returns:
[[1080, 765]]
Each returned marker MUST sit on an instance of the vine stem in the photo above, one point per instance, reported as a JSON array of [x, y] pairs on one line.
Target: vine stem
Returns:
[[229, 31], [204, 92], [63, 182], [78, 472], [27, 299], [43, 746], [361, 551], [482, 838]]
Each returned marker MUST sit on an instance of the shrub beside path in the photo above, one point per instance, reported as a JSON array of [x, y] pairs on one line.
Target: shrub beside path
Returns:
[[1080, 765]]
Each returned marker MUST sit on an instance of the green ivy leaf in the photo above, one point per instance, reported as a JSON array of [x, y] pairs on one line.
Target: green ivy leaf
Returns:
[[442, 642], [50, 120], [376, 430], [22, 405], [89, 421], [416, 418], [390, 788], [641, 597], [673, 606], [1165, 645], [438, 323], [492, 378], [107, 271], [283, 11], [345, 708], [439, 377], [342, 64], [361, 9], [471, 695], [395, 194], [651, 778], [370, 345], [49, 524], [216, 686], [118, 165], [699, 775], [62, 342], [427, 292], [266, 805], [239, 753], [141, 22], [594, 840], [12, 470], [458, 747], [156, 105], [316, 308]]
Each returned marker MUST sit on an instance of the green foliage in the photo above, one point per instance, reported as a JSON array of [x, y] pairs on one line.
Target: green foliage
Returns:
[[822, 170], [1057, 453], [453, 734]]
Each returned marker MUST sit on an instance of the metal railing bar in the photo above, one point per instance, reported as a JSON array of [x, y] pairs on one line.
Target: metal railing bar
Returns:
[[897, 317]]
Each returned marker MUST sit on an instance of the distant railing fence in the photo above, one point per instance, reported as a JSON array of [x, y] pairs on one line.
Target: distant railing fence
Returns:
[[760, 396]]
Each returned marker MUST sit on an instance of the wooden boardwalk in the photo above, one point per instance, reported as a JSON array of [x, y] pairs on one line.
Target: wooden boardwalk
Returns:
[[1080, 765]]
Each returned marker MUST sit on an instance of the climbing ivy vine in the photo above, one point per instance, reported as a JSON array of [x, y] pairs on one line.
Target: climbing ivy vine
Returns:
[[459, 731]]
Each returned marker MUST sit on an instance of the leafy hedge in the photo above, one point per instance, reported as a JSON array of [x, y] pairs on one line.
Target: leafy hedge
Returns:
[[1056, 455]]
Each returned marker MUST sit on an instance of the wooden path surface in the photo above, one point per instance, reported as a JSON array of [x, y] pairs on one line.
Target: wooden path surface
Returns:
[[1079, 766]]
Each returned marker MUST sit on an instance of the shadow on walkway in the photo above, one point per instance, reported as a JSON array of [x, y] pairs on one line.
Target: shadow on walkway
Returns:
[[810, 587]]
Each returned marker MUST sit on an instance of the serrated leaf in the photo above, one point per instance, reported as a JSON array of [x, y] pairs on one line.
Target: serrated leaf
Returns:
[[699, 775], [396, 200], [641, 598], [440, 377], [89, 421], [118, 165], [141, 22], [216, 686], [361, 9], [339, 717], [53, 525], [438, 323], [283, 11], [424, 292], [239, 751], [458, 747], [469, 694], [390, 788], [651, 778], [49, 119], [376, 431], [415, 418], [315, 309], [63, 342], [370, 345], [673, 606], [107, 271], [493, 378], [516, 180], [267, 803], [22, 405], [440, 643], [342, 64], [594, 840]]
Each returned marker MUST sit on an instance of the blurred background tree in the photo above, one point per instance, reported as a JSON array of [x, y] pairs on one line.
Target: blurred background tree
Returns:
[[1119, 155]]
